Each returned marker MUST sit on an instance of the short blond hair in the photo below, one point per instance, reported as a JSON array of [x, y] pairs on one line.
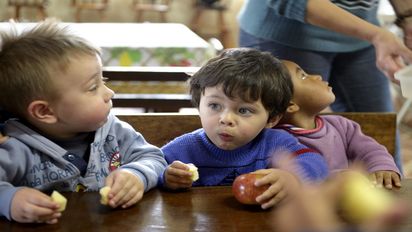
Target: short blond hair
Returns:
[[27, 60]]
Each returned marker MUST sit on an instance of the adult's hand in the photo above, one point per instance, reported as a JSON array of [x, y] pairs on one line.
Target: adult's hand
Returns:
[[391, 53]]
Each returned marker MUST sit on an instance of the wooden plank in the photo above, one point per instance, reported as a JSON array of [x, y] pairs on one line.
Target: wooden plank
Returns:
[[162, 102], [153, 102], [118, 73], [160, 128]]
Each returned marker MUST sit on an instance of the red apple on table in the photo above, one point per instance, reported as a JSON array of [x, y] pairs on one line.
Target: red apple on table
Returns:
[[244, 188]]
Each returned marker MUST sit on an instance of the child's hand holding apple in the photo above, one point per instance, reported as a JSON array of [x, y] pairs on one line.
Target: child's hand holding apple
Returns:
[[179, 175], [265, 187]]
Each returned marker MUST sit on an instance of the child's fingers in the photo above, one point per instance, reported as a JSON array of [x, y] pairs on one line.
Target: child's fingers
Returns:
[[51, 219], [372, 178], [126, 196], [396, 180], [179, 165], [376, 179], [43, 201], [124, 183], [134, 198], [182, 173], [39, 214], [267, 179], [387, 180], [270, 193], [176, 182], [263, 171], [274, 200], [184, 181]]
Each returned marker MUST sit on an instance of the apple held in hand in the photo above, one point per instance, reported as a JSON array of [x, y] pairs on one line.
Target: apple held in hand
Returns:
[[244, 188], [104, 195], [60, 199]]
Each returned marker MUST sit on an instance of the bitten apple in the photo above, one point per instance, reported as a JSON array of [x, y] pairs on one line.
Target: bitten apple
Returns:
[[361, 201], [60, 199], [244, 188], [104, 192], [193, 170]]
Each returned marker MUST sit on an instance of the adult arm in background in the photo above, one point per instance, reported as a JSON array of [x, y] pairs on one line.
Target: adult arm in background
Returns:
[[389, 49]]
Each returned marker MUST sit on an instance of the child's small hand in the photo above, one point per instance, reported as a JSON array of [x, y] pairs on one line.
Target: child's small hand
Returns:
[[387, 179], [177, 176], [32, 206], [280, 182], [126, 188]]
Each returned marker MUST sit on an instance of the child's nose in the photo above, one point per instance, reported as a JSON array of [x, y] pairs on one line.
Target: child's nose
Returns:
[[226, 118], [109, 94], [316, 77]]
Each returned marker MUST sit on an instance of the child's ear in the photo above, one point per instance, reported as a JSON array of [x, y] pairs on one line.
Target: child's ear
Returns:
[[41, 111], [292, 108], [273, 121]]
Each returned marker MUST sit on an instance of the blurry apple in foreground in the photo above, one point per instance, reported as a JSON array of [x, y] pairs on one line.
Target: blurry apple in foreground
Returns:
[[360, 201], [244, 188]]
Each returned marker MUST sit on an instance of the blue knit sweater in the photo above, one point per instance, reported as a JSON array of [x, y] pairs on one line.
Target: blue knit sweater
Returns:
[[283, 21], [221, 167]]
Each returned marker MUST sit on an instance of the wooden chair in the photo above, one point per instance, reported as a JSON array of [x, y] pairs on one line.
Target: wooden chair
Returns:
[[159, 6], [40, 5], [97, 5], [203, 6], [160, 128]]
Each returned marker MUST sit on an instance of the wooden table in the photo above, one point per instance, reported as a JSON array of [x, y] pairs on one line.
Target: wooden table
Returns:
[[200, 209], [141, 44]]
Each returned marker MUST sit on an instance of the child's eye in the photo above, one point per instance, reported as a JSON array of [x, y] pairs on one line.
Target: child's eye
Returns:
[[93, 88], [303, 76], [214, 106], [245, 111]]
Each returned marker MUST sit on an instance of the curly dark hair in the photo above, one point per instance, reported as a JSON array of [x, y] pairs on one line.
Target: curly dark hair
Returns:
[[248, 74]]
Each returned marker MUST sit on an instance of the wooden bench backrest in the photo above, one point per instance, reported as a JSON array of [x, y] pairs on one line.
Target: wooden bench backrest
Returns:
[[151, 102], [120, 73], [160, 128]]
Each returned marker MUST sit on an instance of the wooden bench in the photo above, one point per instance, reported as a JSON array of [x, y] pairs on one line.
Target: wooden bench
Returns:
[[160, 128], [162, 102], [120, 73]]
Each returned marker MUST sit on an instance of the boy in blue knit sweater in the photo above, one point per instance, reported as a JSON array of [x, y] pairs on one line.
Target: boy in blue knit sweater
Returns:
[[240, 94]]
